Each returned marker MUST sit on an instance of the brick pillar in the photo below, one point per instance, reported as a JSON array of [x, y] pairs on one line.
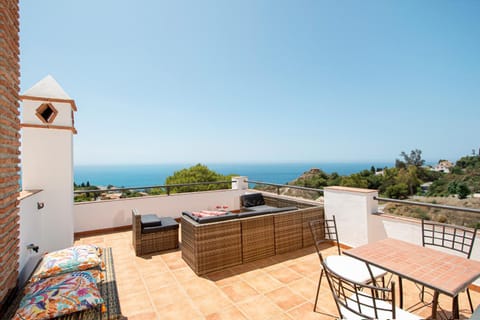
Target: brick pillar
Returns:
[[9, 145]]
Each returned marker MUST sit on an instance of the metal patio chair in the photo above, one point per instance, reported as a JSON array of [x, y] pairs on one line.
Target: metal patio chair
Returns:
[[357, 300], [456, 238], [325, 230]]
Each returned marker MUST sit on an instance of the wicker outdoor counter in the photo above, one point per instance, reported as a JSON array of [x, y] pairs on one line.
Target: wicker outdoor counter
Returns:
[[214, 246]]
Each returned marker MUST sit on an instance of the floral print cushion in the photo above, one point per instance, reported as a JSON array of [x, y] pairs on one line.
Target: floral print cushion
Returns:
[[60, 295], [75, 258]]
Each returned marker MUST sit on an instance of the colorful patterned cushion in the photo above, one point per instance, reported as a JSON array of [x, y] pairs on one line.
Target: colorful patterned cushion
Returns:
[[75, 258], [60, 295]]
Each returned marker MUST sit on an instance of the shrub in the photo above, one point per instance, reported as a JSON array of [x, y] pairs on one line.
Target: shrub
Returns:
[[463, 191], [397, 191]]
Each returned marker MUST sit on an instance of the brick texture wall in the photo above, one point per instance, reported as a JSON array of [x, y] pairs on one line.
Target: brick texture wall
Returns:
[[9, 145]]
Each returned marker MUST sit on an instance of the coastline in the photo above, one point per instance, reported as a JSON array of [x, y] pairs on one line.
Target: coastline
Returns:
[[155, 174]]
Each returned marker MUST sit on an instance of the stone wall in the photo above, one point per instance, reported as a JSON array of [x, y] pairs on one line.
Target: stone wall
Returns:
[[9, 145]]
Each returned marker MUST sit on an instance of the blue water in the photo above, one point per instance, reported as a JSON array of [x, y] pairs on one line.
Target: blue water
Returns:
[[149, 175]]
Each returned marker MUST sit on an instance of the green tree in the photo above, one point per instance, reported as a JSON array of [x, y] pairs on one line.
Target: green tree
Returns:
[[413, 159], [468, 162], [409, 177], [375, 181], [335, 179], [397, 191], [355, 180], [389, 179], [197, 173]]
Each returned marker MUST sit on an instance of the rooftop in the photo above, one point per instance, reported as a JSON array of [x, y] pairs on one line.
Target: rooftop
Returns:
[[162, 286]]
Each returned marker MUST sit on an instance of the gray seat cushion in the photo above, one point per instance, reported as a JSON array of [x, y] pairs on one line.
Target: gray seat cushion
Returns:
[[166, 223], [252, 200], [150, 220]]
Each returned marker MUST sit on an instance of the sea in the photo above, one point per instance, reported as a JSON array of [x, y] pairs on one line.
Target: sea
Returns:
[[143, 175]]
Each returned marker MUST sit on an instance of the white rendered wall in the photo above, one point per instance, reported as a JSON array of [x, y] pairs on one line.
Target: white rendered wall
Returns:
[[95, 215], [30, 232], [47, 164], [350, 205]]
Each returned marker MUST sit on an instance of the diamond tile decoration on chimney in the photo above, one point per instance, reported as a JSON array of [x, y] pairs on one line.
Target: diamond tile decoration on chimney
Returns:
[[46, 112]]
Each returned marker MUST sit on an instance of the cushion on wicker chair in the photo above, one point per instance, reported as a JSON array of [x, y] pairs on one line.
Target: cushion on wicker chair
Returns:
[[252, 200], [150, 220], [165, 223]]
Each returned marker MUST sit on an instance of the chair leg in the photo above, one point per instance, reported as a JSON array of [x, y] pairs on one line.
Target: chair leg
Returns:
[[470, 300], [318, 290], [400, 289]]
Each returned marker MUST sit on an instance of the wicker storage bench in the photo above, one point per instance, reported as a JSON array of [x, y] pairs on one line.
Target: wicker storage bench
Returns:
[[208, 247], [150, 237]]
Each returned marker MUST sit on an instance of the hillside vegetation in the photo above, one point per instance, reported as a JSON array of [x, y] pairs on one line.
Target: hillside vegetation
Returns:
[[404, 181]]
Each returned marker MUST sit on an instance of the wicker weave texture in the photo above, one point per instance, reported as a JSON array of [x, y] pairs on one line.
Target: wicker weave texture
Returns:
[[211, 247], [258, 238], [151, 242], [288, 232], [308, 215], [283, 202], [159, 241]]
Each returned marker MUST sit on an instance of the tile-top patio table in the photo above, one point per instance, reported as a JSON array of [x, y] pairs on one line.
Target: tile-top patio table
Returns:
[[442, 272]]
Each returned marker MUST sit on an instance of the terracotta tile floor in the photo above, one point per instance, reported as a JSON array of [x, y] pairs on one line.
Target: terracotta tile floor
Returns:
[[162, 286]]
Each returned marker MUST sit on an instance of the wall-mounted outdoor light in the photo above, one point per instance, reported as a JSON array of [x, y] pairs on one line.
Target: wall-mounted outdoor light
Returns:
[[40, 205]]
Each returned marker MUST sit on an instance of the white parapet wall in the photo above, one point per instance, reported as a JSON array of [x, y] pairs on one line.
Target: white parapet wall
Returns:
[[96, 215], [351, 207]]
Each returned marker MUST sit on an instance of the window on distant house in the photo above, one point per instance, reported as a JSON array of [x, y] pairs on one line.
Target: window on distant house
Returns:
[[46, 112]]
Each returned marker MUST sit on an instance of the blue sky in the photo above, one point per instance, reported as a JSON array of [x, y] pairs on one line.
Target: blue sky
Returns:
[[260, 81]]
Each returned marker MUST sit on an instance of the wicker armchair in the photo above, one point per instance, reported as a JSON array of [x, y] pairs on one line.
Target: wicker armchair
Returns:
[[149, 237]]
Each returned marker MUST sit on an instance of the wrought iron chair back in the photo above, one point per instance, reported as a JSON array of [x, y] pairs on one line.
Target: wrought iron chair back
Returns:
[[456, 238], [324, 230], [447, 236], [361, 300]]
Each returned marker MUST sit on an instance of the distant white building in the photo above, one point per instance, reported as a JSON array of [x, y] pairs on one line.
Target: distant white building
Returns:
[[443, 166]]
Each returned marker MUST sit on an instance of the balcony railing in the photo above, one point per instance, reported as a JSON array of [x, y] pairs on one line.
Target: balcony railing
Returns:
[[129, 192], [280, 186], [155, 190], [431, 205], [470, 218]]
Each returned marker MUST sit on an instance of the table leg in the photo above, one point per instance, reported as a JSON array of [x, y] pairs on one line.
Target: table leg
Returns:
[[455, 310], [435, 304]]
